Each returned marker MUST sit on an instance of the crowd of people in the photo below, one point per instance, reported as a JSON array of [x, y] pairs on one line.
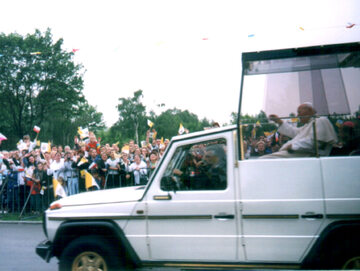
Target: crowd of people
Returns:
[[31, 178], [27, 175]]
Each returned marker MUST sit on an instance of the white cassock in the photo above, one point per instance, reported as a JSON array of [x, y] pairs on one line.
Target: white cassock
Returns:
[[302, 142]]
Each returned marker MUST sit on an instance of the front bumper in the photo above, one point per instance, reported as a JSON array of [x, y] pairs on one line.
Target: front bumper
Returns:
[[45, 250]]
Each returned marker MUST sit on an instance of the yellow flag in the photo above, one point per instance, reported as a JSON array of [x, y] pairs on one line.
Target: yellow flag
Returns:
[[150, 123], [181, 129], [90, 181], [49, 147], [126, 149], [82, 161], [268, 134], [253, 132], [55, 184]]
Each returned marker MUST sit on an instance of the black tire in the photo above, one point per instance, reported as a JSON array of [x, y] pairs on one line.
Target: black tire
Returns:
[[344, 255], [349, 259], [89, 251]]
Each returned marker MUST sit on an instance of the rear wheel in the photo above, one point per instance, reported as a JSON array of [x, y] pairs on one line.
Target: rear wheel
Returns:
[[346, 255], [89, 253], [352, 263]]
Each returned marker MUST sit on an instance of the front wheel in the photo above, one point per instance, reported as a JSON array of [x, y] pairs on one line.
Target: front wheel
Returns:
[[89, 253]]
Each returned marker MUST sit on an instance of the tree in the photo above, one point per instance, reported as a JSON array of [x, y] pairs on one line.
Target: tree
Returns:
[[167, 123], [132, 116], [39, 85]]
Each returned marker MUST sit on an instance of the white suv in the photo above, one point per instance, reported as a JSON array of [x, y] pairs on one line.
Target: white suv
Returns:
[[208, 205]]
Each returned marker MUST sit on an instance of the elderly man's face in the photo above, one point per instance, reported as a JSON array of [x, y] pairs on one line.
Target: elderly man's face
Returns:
[[305, 113]]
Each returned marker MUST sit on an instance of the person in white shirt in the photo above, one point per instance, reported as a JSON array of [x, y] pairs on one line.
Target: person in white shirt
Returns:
[[138, 168], [113, 166], [56, 167], [302, 138], [3, 170]]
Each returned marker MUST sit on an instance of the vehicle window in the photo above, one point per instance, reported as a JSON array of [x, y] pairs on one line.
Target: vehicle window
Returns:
[[200, 166], [301, 106]]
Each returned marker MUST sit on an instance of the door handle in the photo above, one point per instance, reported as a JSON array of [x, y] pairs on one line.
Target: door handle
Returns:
[[311, 215], [224, 216]]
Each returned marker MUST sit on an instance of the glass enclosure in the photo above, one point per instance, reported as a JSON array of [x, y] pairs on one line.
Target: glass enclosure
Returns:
[[276, 82]]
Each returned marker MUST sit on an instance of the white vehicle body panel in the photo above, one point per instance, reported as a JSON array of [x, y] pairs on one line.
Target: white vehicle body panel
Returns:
[[273, 200], [198, 235]]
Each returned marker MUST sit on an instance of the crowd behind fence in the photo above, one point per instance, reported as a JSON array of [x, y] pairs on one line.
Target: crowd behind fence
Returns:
[[31, 179]]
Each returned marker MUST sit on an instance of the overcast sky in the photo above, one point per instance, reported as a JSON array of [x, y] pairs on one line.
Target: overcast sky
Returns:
[[185, 54]]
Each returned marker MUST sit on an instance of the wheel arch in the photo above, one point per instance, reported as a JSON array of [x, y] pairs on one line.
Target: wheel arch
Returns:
[[327, 245], [70, 230]]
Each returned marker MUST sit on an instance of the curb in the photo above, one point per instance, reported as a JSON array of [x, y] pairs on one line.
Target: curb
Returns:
[[19, 222]]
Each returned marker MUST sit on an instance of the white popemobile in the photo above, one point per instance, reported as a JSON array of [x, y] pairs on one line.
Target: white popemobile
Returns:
[[208, 207]]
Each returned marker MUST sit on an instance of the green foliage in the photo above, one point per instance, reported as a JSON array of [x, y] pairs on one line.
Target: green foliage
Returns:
[[132, 117], [43, 89], [167, 124], [132, 123]]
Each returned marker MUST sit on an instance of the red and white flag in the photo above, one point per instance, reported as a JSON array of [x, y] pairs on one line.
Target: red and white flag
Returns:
[[2, 137], [37, 129], [93, 165]]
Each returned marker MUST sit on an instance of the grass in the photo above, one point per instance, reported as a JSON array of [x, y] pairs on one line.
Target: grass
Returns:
[[16, 217]]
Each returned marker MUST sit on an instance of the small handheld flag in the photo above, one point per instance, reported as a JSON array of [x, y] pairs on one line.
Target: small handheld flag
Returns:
[[82, 161], [2, 137], [93, 165], [181, 129], [84, 133], [36, 129], [150, 123]]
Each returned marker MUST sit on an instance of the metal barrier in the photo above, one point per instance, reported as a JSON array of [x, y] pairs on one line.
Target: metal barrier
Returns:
[[17, 200]]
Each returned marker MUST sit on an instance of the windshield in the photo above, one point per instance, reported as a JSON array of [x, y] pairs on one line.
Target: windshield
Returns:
[[329, 82]]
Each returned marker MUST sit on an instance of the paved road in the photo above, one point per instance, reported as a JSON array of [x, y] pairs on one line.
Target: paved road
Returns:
[[17, 248]]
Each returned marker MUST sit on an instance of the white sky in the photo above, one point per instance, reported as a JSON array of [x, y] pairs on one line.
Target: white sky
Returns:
[[159, 46]]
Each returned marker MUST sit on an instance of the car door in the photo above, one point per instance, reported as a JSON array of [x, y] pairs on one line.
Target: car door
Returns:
[[282, 207], [193, 221]]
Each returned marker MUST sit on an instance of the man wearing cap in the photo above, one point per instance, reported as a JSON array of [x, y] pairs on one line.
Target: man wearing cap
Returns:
[[302, 138]]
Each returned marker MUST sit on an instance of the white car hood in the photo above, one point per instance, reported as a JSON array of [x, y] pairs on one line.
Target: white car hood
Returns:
[[116, 195]]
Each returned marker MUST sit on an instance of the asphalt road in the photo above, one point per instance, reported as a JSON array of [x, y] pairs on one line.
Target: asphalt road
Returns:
[[17, 248]]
